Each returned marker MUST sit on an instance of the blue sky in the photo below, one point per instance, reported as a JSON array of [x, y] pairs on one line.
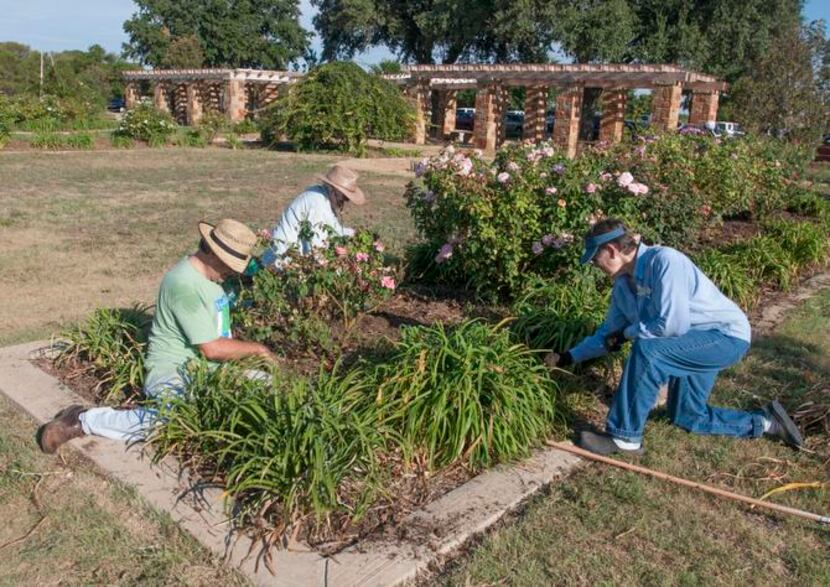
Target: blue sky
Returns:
[[57, 25]]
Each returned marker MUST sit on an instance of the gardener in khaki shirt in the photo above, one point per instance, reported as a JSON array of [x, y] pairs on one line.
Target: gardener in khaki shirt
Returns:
[[684, 332], [192, 318]]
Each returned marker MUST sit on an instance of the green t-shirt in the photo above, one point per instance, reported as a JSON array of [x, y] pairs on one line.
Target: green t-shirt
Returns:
[[190, 310]]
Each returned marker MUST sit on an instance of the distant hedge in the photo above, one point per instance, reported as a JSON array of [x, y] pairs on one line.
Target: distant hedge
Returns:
[[338, 106]]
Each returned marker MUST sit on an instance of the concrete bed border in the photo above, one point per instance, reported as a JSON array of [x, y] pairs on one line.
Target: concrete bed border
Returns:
[[460, 514]]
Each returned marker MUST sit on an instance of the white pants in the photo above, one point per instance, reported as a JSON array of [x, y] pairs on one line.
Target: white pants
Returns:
[[133, 425]]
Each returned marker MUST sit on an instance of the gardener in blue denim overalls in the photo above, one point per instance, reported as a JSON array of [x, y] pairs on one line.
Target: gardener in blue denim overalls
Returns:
[[684, 332]]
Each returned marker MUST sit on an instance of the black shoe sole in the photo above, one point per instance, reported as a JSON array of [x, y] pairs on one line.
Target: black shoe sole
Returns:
[[793, 434]]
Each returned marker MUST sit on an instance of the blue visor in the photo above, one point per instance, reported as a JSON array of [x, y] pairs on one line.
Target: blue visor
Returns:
[[593, 243]]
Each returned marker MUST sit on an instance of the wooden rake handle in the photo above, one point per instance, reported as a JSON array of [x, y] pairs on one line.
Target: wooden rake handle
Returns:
[[693, 484]]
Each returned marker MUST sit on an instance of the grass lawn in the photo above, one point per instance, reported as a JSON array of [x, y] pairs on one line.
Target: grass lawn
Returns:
[[611, 527]]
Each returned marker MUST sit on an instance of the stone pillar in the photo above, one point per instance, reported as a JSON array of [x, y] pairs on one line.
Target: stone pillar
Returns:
[[419, 94], [236, 101], [195, 107], [665, 107], [447, 103], [536, 100], [704, 108], [488, 127], [131, 96], [566, 123], [612, 122], [161, 98]]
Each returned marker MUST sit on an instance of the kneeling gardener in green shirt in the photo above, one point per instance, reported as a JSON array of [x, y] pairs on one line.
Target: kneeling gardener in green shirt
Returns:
[[192, 318]]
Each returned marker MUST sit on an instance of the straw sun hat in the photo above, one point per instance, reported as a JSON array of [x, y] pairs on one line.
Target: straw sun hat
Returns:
[[344, 180], [231, 241]]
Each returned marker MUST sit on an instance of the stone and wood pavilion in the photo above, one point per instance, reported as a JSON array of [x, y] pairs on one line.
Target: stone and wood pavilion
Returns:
[[238, 92]]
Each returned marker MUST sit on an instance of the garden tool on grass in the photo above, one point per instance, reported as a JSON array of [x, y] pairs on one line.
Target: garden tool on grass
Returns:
[[693, 484]]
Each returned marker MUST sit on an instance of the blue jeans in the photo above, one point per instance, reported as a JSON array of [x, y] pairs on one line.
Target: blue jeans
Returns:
[[690, 364]]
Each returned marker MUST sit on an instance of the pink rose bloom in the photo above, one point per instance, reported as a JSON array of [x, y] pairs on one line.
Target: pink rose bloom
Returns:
[[551, 191], [444, 253], [387, 282], [590, 188], [543, 175], [625, 179], [265, 234], [643, 188], [340, 251], [537, 248], [561, 203], [605, 176], [514, 167], [548, 240], [503, 177], [379, 246], [362, 257], [465, 167]]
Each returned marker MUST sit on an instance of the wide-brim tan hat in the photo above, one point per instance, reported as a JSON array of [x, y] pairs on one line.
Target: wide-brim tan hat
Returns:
[[344, 180], [231, 241]]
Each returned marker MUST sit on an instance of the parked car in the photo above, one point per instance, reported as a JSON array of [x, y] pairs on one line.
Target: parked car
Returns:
[[116, 105], [728, 129], [514, 121], [465, 118]]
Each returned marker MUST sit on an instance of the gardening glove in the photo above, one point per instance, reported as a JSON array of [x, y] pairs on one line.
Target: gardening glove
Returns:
[[553, 360], [614, 341]]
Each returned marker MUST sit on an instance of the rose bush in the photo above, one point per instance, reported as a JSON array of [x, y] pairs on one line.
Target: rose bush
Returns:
[[297, 306], [490, 226]]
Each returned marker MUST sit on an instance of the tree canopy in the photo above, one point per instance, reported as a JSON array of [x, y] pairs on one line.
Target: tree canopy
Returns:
[[444, 30], [229, 33]]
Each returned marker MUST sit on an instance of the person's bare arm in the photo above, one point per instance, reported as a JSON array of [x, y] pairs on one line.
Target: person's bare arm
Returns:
[[228, 349]]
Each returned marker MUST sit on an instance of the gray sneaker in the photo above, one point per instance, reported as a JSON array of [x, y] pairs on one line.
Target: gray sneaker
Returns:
[[603, 444], [782, 426]]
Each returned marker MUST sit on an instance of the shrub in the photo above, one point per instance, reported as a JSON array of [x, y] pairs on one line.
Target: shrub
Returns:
[[246, 126], [122, 142], [285, 447], [298, 306], [48, 140], [191, 137], [233, 141], [110, 345], [338, 106], [146, 123], [730, 275], [492, 226], [212, 124], [557, 315], [467, 393], [80, 141]]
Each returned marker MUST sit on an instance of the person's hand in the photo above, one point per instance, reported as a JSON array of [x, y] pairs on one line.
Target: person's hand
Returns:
[[266, 354], [614, 341], [555, 360]]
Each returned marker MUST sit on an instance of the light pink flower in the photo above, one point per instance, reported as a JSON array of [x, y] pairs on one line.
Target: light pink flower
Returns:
[[543, 175], [537, 248], [561, 203], [340, 251], [705, 210], [465, 167], [387, 282], [590, 188], [605, 176], [625, 179], [513, 166], [378, 246], [551, 191], [444, 253], [503, 177], [265, 234], [362, 257], [548, 239]]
